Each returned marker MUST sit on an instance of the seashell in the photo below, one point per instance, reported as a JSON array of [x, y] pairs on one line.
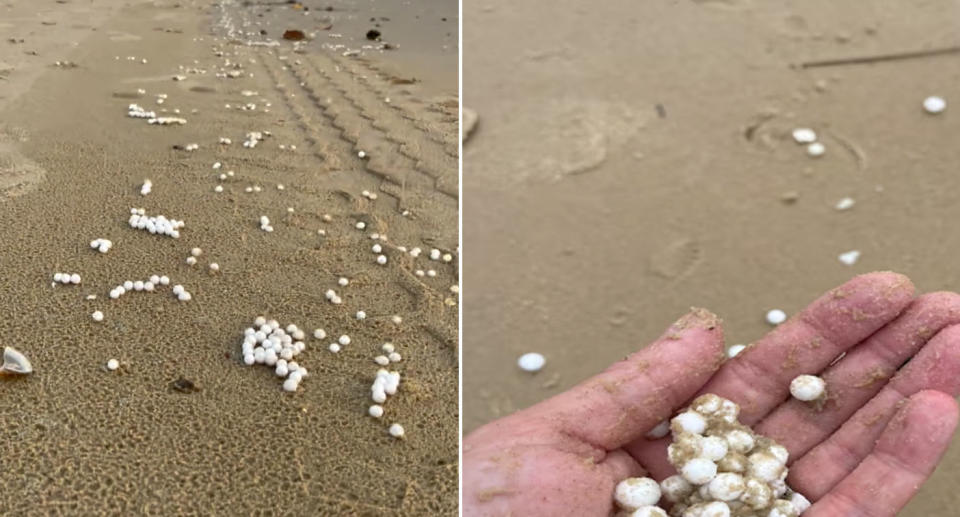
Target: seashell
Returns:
[[15, 362]]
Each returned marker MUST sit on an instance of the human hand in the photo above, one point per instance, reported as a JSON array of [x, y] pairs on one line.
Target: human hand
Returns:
[[880, 434]]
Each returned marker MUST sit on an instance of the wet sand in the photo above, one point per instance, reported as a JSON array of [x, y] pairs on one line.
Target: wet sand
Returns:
[[77, 439], [631, 160]]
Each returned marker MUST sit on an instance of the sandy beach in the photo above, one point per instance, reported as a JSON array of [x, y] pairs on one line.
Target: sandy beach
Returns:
[[345, 132], [634, 159]]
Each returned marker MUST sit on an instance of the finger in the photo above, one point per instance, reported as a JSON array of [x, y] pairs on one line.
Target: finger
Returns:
[[936, 367], [633, 395], [759, 377], [861, 374], [903, 458], [622, 466]]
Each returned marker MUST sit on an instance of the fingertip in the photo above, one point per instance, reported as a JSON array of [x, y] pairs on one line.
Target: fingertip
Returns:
[[894, 283], [925, 422], [950, 333], [934, 403], [699, 325]]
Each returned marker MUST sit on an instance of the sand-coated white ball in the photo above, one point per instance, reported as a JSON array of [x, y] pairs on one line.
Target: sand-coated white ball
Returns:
[[764, 466], [649, 511], [699, 471], [675, 488], [690, 422], [727, 486], [807, 387], [632, 493]]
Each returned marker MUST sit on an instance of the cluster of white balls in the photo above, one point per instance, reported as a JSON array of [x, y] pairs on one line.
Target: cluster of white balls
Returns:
[[66, 278], [343, 340], [808, 137], [265, 224], [385, 383], [724, 469], [135, 111], [149, 286], [435, 254], [390, 355], [101, 245], [270, 344], [333, 297], [155, 224], [165, 121], [253, 138]]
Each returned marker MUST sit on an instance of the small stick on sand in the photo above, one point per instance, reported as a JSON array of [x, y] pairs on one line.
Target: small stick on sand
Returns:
[[881, 58]]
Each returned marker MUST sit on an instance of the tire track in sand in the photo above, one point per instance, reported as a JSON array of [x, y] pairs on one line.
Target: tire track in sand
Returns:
[[344, 90], [432, 118]]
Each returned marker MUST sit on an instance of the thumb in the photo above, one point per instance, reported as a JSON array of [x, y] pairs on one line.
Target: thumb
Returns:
[[632, 396]]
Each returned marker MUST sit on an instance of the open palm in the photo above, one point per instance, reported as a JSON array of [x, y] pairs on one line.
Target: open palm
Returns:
[[892, 369]]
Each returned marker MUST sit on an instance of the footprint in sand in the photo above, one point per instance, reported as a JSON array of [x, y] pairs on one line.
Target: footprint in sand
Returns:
[[677, 259], [18, 174], [554, 139]]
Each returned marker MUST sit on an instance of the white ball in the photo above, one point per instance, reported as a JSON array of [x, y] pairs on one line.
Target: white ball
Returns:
[[699, 471], [319, 333], [727, 486], [816, 149], [113, 364], [376, 411], [361, 315], [343, 282], [128, 285], [344, 340], [739, 441], [764, 466], [632, 493], [649, 511], [675, 488], [334, 347], [804, 135], [714, 509], [97, 316], [735, 350], [807, 387], [713, 448], [381, 259], [290, 384], [281, 369], [776, 317], [691, 422], [782, 508], [799, 502], [934, 104], [531, 362], [396, 430], [177, 289], [74, 278], [248, 359]]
